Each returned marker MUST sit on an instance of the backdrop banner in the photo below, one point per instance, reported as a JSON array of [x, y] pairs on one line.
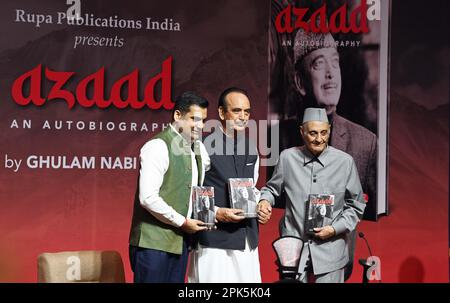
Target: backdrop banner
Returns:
[[80, 94]]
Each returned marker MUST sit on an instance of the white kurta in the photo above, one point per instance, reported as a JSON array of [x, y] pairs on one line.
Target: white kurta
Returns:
[[216, 265]]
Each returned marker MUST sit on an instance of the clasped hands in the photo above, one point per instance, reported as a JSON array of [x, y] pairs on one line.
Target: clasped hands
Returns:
[[232, 215]]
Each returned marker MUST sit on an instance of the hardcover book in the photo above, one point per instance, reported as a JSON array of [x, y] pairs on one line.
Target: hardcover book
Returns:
[[203, 205], [242, 196], [319, 210]]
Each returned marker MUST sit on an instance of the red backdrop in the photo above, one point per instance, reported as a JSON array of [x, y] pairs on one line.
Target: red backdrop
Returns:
[[46, 210]]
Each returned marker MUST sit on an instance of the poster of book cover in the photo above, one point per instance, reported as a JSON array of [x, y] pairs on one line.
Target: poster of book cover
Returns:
[[242, 196], [334, 54], [203, 205], [319, 210]]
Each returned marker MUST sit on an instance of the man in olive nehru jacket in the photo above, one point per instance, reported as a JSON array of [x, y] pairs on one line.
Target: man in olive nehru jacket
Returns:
[[317, 168], [162, 207]]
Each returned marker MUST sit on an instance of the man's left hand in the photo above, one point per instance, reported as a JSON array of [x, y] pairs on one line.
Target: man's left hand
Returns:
[[324, 232], [264, 211]]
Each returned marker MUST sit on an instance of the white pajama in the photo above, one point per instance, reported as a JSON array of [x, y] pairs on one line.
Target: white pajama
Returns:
[[216, 265]]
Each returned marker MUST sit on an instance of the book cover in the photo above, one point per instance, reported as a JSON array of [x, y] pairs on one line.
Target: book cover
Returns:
[[319, 210], [355, 95], [242, 196], [203, 205]]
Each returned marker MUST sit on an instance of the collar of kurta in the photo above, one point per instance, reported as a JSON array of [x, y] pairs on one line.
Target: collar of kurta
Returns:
[[237, 136], [175, 131], [308, 157], [231, 143]]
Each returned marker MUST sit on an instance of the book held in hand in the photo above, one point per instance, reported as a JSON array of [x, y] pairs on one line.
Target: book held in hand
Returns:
[[319, 211], [203, 205], [242, 196]]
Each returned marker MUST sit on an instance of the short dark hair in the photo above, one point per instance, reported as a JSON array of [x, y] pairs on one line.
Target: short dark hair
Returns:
[[184, 101], [223, 95]]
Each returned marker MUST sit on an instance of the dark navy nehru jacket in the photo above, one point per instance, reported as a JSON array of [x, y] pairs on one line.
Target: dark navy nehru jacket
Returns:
[[233, 164]]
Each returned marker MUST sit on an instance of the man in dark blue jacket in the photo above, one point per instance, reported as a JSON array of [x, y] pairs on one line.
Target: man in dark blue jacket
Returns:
[[230, 253]]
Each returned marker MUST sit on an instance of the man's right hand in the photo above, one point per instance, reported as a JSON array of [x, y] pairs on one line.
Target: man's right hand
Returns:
[[191, 226], [229, 215]]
